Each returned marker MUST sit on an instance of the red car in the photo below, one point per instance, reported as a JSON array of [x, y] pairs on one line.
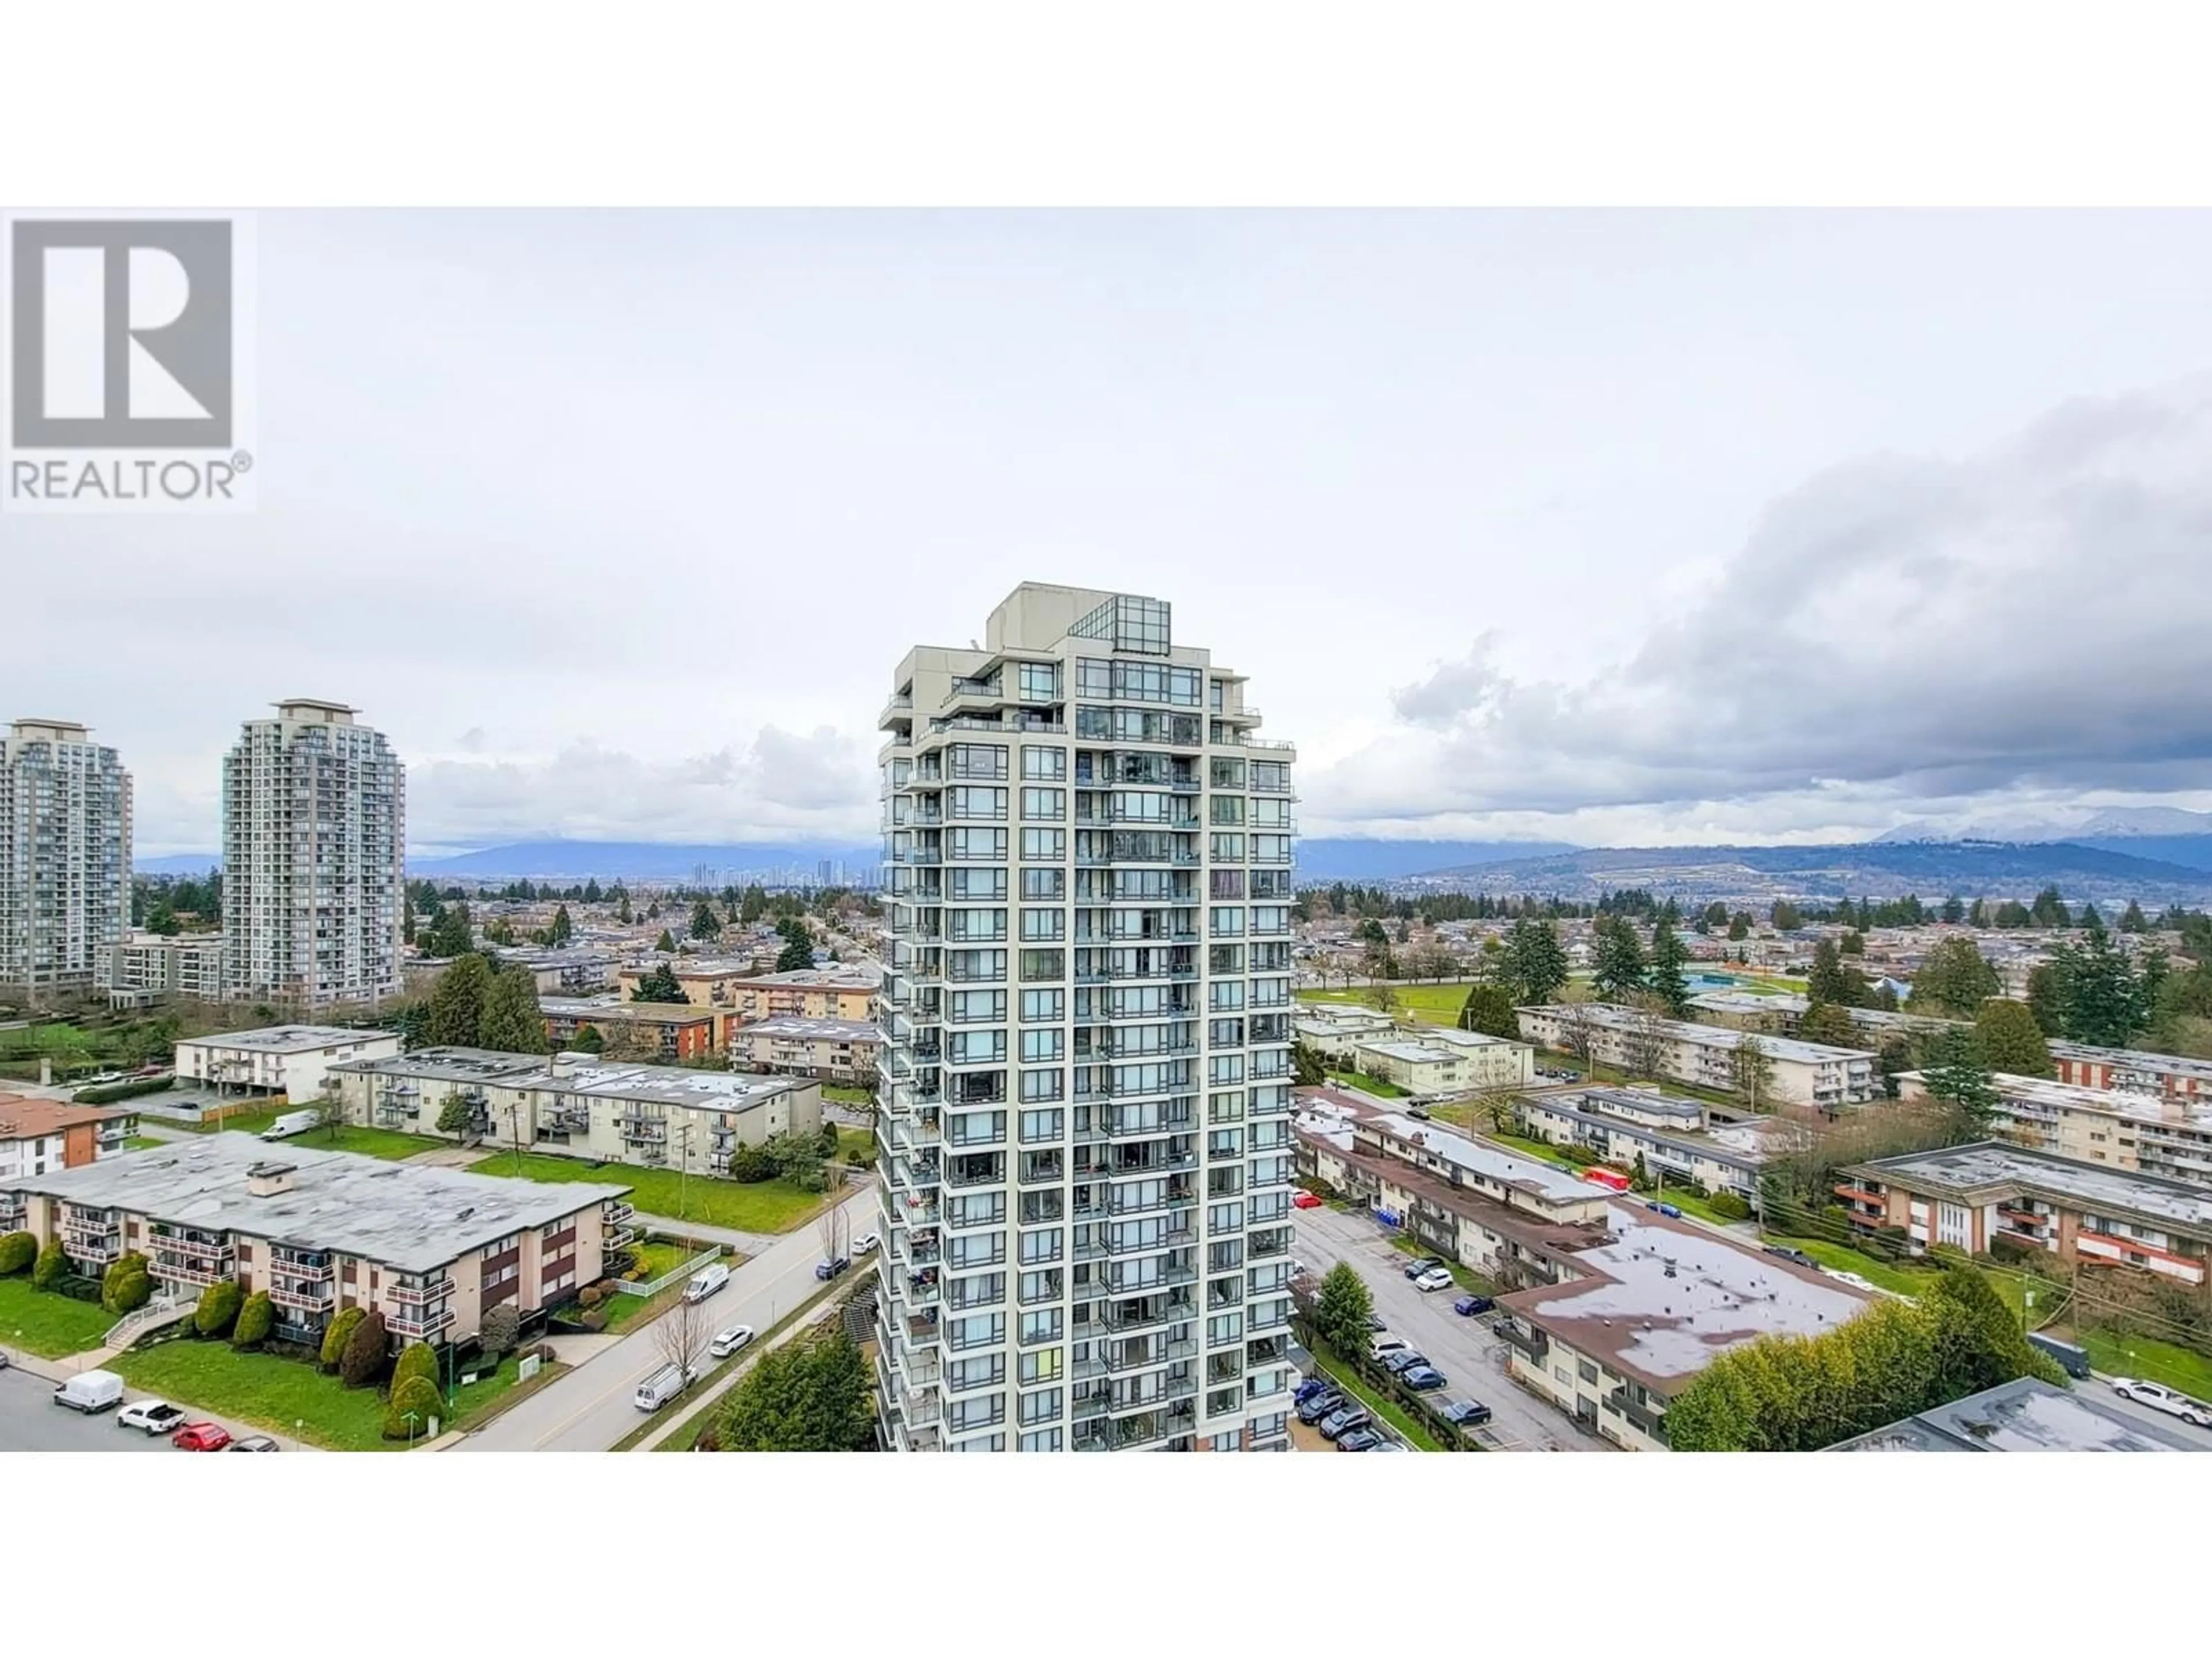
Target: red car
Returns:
[[1305, 1200], [201, 1436]]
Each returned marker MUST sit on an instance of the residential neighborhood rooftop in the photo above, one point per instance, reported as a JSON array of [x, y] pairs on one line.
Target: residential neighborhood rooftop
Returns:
[[1987, 1168], [814, 1026], [287, 1039], [2023, 1415], [25, 1117]]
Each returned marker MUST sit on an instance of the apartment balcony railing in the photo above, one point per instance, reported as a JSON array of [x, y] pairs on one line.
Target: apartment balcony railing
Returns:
[[307, 1296], [1533, 1344], [417, 1294], [420, 1325], [191, 1271], [92, 1243], [195, 1249]]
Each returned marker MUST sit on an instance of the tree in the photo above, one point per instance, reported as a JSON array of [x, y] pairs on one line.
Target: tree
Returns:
[[414, 1405], [2132, 920], [1954, 979], [2046, 999], [1645, 1041], [622, 913], [661, 985], [420, 1359], [1489, 1009], [816, 1395], [563, 928], [457, 1117], [1666, 977], [52, 1265], [1739, 926], [1534, 966], [363, 1361], [218, 1308], [2100, 996], [1307, 1068], [1754, 1070], [1617, 960], [1578, 1030], [680, 1336], [1381, 996], [796, 955], [1342, 1310], [18, 1250], [588, 1041], [1785, 917], [337, 1333], [1956, 1076], [705, 924], [256, 1316], [1953, 911], [457, 1002], [450, 934], [666, 943], [1978, 1340], [1833, 981], [2049, 910], [500, 1330], [513, 1023], [126, 1286], [1852, 943], [2010, 1039], [1825, 1021]]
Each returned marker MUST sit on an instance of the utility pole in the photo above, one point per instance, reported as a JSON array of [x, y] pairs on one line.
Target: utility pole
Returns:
[[684, 1172]]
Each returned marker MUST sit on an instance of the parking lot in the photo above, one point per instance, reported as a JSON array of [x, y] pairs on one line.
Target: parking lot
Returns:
[[31, 1422], [1462, 1349]]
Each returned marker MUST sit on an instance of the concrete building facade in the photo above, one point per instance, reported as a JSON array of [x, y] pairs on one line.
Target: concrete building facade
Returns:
[[835, 1050], [314, 862], [1085, 1079], [64, 859], [145, 966], [37, 1136], [1810, 1074], [290, 1060]]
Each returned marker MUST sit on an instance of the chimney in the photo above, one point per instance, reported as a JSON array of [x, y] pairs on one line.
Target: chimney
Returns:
[[267, 1180]]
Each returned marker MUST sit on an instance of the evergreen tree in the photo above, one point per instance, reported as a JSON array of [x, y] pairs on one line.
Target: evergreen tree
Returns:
[[1342, 1311], [1956, 1076], [805, 1396], [2132, 920], [2102, 997], [2049, 910], [457, 1002], [753, 905], [661, 985], [593, 894], [1828, 1022], [666, 943], [512, 1021], [562, 929], [1617, 960], [1739, 926], [1489, 1009], [704, 922], [2009, 1040], [1832, 980], [1954, 979], [1955, 911], [1785, 916], [451, 935], [1666, 978]]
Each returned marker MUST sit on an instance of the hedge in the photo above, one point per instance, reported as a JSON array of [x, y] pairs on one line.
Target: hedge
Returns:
[[337, 1333], [417, 1395], [501, 1328], [218, 1309], [255, 1317], [17, 1252], [415, 1359], [362, 1362], [53, 1265], [1730, 1205], [111, 1093], [125, 1286]]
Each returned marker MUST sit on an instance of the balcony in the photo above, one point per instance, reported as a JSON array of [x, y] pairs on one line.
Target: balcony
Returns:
[[193, 1250], [420, 1325], [191, 1271], [1532, 1345], [92, 1243], [415, 1294], [306, 1296], [1650, 1420]]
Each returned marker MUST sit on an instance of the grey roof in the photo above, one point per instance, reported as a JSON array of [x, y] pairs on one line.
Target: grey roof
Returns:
[[411, 1216], [1329, 1114], [288, 1039], [583, 1074], [808, 1025], [450, 1065], [1746, 1147], [2022, 1415], [2134, 1060], [1613, 1016], [1987, 1169]]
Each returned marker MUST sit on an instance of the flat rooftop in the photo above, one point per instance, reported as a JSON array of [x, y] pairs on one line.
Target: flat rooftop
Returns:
[[1331, 1114], [450, 1065], [2024, 1415], [411, 1216], [27, 1117], [817, 1027], [584, 1074], [1412, 1051], [1987, 1169], [288, 1039], [2119, 1103], [841, 979], [1612, 1016], [614, 1008], [1664, 1298], [2134, 1060]]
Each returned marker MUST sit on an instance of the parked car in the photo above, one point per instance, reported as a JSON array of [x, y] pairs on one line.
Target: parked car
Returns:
[[1303, 1199], [2159, 1397], [1344, 1420], [1467, 1306], [1376, 1322], [1459, 1413], [726, 1343], [1321, 1404], [865, 1242], [1415, 1269], [1403, 1360], [1435, 1279], [830, 1269], [1381, 1445], [1421, 1378], [260, 1442], [91, 1391], [153, 1416], [1791, 1253], [706, 1282], [1308, 1388], [201, 1436], [1386, 1344], [1857, 1281], [4, 1361], [1671, 1212], [1421, 1113], [1360, 1440], [663, 1386]]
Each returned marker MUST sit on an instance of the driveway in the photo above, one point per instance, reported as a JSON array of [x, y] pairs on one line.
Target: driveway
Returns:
[[1462, 1349]]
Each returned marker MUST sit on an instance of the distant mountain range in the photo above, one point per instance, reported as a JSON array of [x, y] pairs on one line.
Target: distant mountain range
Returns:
[[1352, 860], [634, 860]]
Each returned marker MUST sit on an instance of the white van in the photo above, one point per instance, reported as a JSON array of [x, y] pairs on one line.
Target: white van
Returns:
[[291, 1123], [91, 1391], [663, 1386], [706, 1282]]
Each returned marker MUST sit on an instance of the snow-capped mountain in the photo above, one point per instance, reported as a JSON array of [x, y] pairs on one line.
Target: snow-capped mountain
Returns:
[[2080, 824]]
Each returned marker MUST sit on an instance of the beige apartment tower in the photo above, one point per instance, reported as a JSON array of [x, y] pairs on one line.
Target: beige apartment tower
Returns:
[[313, 828], [64, 859], [1085, 1075]]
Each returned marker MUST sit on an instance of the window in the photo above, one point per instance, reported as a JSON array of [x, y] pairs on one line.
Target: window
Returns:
[[1044, 803], [1226, 773], [1226, 921], [1043, 1406], [1049, 763], [1225, 848], [1051, 884], [1044, 1365], [1044, 964], [1041, 1247], [974, 801], [1226, 995], [1041, 926], [1049, 1083], [1043, 1007], [1043, 1326], [1094, 678], [1048, 1125], [1039, 682], [1227, 809], [1044, 1044], [976, 760], [979, 845], [1225, 883], [977, 1007], [1038, 846]]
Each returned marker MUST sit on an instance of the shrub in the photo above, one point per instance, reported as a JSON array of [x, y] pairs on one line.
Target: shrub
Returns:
[[17, 1252], [114, 1093], [51, 1265], [415, 1359], [827, 1138], [2014, 1250], [1731, 1205], [255, 1315], [363, 1361], [124, 1285], [337, 1333], [418, 1395], [218, 1309], [596, 1320], [751, 1164], [590, 1296], [500, 1330]]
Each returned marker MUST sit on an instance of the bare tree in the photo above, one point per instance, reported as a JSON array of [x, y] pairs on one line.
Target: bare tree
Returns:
[[329, 1117], [1577, 1031], [1498, 1108], [1754, 1070], [682, 1335], [830, 1230], [1645, 1042]]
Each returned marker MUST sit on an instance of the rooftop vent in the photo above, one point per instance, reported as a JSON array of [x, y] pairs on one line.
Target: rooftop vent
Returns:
[[267, 1180]]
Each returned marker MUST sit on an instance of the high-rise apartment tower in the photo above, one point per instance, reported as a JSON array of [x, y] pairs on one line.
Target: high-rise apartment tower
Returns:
[[1085, 1078], [64, 859], [313, 828]]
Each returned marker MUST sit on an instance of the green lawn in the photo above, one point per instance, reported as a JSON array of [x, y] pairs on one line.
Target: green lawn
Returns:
[[763, 1206], [850, 1140], [1373, 1085], [1906, 1281], [662, 1256], [287, 1397], [1468, 1279], [848, 1094], [139, 1143], [2145, 1357], [1431, 1004], [347, 1138], [47, 1324]]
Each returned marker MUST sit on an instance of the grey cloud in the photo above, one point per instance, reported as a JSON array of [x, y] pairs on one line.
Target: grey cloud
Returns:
[[2035, 617]]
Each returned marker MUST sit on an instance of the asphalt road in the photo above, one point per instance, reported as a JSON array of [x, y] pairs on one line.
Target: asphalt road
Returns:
[[31, 1422], [1462, 1349], [593, 1406], [2101, 1389]]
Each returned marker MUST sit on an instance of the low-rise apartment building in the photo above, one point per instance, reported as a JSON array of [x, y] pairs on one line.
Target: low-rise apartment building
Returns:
[[563, 970], [2132, 1071], [666, 1031], [1814, 1074], [1649, 1307], [2024, 1415], [149, 965], [835, 1050], [735, 987], [1973, 1197], [290, 1060], [1426, 1062], [1333, 1029], [2168, 1135], [1676, 1139], [580, 1105], [37, 1135], [430, 1249]]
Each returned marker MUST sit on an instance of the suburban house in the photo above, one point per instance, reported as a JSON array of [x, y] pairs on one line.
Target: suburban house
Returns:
[[37, 1136], [286, 1060], [1814, 1074], [432, 1249]]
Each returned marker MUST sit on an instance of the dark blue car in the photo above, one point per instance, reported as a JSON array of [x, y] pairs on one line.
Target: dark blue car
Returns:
[[1470, 1305], [1669, 1211], [1421, 1378]]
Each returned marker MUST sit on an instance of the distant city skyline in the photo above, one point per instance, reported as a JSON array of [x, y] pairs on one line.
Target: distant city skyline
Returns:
[[1640, 528]]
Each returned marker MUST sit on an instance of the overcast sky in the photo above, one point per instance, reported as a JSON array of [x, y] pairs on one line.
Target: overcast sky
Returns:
[[1619, 528]]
